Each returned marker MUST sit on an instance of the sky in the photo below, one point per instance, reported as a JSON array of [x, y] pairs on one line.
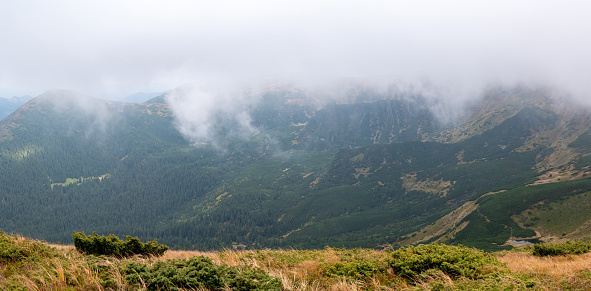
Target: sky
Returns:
[[114, 48]]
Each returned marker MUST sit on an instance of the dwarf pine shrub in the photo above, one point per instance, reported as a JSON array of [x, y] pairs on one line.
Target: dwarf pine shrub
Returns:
[[455, 261], [197, 273], [14, 248], [358, 270], [560, 249], [112, 246], [357, 264]]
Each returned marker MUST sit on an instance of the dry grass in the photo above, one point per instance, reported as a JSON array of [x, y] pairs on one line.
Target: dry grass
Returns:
[[556, 267], [61, 247], [306, 270], [303, 270], [172, 255], [298, 270], [570, 272]]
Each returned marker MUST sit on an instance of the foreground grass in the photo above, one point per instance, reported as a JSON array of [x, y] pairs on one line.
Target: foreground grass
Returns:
[[30, 265]]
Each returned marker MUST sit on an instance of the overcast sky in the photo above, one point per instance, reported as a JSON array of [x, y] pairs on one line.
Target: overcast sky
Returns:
[[114, 48]]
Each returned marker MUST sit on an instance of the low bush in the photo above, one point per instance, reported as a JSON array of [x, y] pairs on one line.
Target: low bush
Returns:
[[112, 246], [197, 273], [560, 249], [15, 248], [455, 261], [358, 270], [356, 264]]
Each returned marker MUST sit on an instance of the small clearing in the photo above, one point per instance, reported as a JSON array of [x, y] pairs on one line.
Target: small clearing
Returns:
[[439, 187], [78, 181]]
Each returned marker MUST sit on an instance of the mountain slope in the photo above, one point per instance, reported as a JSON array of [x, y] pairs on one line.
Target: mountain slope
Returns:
[[9, 105], [385, 171], [113, 148]]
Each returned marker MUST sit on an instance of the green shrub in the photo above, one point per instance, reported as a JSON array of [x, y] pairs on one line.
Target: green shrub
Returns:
[[14, 248], [358, 270], [113, 246], [357, 264], [197, 272], [567, 248], [455, 261]]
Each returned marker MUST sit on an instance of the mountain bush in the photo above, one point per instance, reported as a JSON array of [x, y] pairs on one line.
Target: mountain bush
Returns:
[[112, 246], [455, 261], [16, 248], [197, 273], [560, 249]]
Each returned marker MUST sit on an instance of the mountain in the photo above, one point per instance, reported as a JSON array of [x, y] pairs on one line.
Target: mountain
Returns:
[[366, 170], [157, 99], [9, 105], [141, 97]]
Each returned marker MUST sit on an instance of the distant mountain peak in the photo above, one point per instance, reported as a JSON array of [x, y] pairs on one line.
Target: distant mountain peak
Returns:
[[62, 95], [158, 99], [143, 97]]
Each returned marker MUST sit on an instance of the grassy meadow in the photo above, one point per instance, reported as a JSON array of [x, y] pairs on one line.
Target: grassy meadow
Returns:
[[26, 264]]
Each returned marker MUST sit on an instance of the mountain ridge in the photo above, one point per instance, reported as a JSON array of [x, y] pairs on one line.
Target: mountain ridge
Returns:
[[361, 174]]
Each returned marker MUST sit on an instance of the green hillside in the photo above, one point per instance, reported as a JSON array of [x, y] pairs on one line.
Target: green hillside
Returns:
[[380, 171]]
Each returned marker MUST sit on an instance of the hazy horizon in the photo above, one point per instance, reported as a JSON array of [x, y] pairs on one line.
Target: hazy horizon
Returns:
[[112, 49]]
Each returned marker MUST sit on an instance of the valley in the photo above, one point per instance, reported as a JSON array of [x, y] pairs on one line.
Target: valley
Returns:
[[366, 170]]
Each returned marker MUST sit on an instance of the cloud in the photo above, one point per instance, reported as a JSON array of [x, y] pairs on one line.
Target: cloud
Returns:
[[205, 113], [111, 49], [94, 116]]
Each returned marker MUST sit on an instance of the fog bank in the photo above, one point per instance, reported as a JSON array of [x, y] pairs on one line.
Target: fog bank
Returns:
[[112, 49]]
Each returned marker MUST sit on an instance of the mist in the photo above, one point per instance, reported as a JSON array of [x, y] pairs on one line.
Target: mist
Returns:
[[201, 109], [449, 51], [100, 114]]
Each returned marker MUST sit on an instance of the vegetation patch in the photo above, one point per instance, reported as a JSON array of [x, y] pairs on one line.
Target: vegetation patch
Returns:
[[356, 264], [34, 265], [566, 173], [112, 246], [358, 270], [362, 171], [16, 249], [492, 224], [438, 187], [197, 273], [27, 264], [78, 181], [449, 224], [560, 218], [559, 249], [454, 261], [19, 155]]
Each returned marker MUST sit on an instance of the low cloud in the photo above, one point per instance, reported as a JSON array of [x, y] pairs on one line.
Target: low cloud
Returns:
[[95, 116], [205, 113], [111, 49]]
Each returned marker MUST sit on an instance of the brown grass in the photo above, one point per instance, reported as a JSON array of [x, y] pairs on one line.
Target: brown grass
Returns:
[[306, 270], [61, 247], [298, 270], [303, 270], [556, 267]]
